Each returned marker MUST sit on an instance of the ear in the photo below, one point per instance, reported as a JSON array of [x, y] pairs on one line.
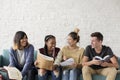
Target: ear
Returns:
[[75, 41], [101, 41]]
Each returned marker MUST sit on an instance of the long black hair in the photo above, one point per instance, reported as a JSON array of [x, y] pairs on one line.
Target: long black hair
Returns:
[[18, 36], [47, 38]]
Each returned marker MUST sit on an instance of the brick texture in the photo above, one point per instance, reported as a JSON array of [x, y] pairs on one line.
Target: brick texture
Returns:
[[59, 17]]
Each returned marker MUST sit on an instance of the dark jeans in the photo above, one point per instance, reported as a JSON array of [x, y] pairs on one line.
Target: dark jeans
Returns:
[[50, 74], [46, 76], [31, 74]]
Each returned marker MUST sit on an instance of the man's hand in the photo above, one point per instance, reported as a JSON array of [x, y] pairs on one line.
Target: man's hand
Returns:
[[104, 64], [96, 62]]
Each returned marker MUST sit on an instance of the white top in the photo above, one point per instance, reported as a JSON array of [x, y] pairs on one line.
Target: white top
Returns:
[[20, 57]]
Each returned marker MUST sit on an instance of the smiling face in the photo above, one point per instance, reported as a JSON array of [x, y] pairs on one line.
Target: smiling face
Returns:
[[20, 40], [95, 42], [51, 43], [70, 41], [24, 41]]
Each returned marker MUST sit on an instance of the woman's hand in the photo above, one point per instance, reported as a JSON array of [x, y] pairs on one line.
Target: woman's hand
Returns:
[[74, 65], [41, 72], [36, 63], [65, 58], [55, 67]]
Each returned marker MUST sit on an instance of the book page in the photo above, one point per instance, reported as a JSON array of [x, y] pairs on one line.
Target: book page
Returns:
[[106, 57], [13, 73], [67, 62], [98, 58]]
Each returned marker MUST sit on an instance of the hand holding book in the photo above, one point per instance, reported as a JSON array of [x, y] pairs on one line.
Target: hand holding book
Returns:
[[44, 62], [104, 59], [101, 61], [104, 64], [96, 62]]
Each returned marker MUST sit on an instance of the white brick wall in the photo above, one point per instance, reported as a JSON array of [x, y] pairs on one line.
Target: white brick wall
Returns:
[[58, 17]]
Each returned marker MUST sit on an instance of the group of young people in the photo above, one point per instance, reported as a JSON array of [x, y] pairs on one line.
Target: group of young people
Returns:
[[22, 57]]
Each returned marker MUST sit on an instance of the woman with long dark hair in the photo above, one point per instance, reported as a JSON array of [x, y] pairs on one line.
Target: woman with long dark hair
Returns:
[[50, 50], [22, 55]]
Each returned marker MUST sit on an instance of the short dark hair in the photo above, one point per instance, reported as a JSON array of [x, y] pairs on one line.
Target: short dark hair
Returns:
[[74, 36], [18, 36], [98, 35]]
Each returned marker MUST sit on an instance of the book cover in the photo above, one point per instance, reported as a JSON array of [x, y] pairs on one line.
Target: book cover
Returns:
[[44, 62]]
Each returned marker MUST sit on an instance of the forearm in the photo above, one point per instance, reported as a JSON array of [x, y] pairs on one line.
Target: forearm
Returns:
[[113, 65], [58, 59], [89, 63]]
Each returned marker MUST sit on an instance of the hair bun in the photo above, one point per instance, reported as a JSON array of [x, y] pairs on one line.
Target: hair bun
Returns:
[[76, 30]]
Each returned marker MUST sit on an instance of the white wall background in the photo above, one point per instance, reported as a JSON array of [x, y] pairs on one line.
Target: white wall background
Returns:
[[59, 17]]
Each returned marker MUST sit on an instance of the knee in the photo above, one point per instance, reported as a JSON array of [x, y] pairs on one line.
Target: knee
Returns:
[[73, 71], [65, 72], [85, 69], [56, 73], [112, 70]]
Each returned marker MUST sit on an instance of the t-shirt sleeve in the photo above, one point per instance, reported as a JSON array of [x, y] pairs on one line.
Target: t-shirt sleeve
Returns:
[[110, 52], [86, 52]]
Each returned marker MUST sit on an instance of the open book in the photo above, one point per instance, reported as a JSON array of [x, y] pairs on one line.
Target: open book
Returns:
[[104, 59], [67, 62], [13, 73], [44, 61]]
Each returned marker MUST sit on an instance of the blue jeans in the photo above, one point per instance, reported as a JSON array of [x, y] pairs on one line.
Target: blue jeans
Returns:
[[70, 74], [47, 74]]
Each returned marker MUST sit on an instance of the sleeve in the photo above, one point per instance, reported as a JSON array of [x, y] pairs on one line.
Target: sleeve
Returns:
[[86, 52], [29, 60], [11, 59], [79, 65], [81, 55], [58, 58], [110, 52]]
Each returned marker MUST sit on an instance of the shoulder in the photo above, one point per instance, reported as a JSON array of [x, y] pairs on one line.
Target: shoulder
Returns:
[[11, 50], [64, 48], [88, 47], [30, 46], [106, 47], [41, 50], [81, 49]]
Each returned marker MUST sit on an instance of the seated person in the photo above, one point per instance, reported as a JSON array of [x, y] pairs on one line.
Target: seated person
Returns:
[[22, 56], [93, 65], [51, 51], [73, 51]]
